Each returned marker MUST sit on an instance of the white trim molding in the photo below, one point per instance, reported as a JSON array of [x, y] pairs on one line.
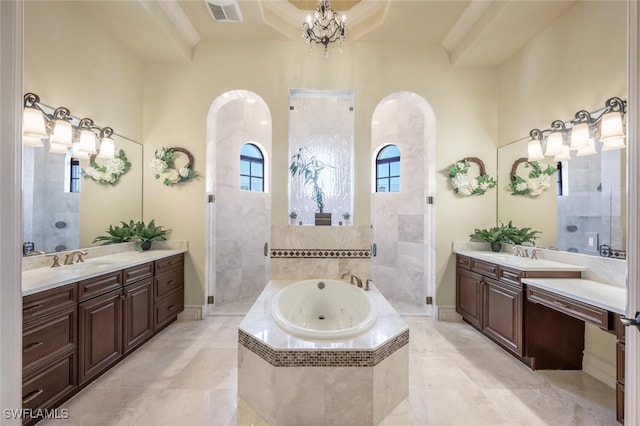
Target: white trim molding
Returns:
[[632, 346], [11, 51], [447, 313], [193, 313]]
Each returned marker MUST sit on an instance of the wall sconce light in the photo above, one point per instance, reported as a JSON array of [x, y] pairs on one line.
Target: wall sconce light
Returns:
[[58, 127], [605, 124], [534, 147], [611, 126], [555, 139], [580, 132]]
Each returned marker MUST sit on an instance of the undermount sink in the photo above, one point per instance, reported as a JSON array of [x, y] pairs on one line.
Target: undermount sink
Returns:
[[98, 264]]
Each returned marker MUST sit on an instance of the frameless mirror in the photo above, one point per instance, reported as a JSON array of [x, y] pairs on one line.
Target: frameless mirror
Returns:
[[62, 210], [583, 211]]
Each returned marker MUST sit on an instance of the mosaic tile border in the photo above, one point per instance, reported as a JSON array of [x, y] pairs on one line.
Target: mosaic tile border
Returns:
[[322, 358], [320, 253]]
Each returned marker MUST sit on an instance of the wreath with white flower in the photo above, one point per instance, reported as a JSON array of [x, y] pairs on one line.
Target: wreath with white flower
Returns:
[[463, 184], [538, 179], [110, 173], [164, 167]]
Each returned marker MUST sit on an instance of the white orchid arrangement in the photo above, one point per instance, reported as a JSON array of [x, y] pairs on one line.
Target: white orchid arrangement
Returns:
[[464, 185], [110, 172], [538, 180], [163, 167]]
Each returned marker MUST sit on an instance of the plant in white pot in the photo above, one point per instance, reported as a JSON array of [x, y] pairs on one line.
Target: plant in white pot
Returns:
[[347, 217], [292, 218]]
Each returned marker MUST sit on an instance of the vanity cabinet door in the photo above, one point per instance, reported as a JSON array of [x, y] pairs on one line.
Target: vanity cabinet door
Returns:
[[503, 314], [100, 334], [469, 296], [138, 314]]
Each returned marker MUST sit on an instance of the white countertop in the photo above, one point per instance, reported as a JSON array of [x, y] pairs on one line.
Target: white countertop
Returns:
[[605, 296], [39, 279], [521, 263]]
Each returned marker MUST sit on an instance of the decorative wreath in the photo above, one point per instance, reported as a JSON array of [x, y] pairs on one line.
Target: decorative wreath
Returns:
[[464, 185], [163, 166], [110, 173], [538, 180]]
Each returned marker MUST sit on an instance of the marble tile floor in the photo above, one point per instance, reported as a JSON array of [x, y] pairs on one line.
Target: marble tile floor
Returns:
[[187, 375]]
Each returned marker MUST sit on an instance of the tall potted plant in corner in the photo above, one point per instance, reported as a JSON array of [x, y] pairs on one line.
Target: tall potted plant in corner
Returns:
[[308, 167]]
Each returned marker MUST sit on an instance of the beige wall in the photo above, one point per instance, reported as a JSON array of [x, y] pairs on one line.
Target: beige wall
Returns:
[[577, 63], [177, 98], [69, 60]]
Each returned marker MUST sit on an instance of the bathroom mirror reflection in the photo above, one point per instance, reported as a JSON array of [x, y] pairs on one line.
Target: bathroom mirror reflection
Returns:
[[584, 209], [56, 218]]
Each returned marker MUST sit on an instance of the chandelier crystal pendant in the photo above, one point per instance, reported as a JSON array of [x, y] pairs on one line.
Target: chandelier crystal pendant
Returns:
[[325, 27]]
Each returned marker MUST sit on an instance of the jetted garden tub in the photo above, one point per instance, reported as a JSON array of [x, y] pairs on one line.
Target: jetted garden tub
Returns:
[[330, 355], [323, 309]]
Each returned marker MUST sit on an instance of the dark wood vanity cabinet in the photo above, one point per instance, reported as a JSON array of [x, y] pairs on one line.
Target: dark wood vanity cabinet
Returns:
[[74, 333], [100, 334], [502, 314], [490, 302], [49, 347], [168, 290], [138, 305], [469, 287]]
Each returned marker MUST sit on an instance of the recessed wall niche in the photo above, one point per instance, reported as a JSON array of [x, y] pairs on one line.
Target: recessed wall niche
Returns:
[[321, 128]]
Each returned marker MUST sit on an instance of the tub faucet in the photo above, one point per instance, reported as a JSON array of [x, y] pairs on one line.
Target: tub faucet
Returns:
[[366, 286], [357, 279]]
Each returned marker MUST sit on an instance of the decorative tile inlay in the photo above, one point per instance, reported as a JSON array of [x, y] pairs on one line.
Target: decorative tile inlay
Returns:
[[322, 358], [321, 253]]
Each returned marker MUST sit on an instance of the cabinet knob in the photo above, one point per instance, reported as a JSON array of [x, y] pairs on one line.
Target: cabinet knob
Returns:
[[631, 321]]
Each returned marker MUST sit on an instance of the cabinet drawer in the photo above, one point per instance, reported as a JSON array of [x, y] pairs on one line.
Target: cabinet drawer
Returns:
[[620, 402], [573, 308], [167, 309], [46, 387], [510, 276], [463, 261], [99, 285], [485, 268], [46, 302], [137, 273], [172, 262], [620, 362], [45, 336], [169, 282]]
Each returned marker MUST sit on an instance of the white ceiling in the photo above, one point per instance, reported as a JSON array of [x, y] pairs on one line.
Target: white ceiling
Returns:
[[474, 32]]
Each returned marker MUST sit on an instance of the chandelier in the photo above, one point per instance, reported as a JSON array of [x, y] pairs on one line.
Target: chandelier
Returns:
[[325, 27]]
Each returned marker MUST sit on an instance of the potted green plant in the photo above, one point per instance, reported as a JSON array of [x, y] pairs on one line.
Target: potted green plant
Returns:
[[346, 216], [117, 234], [308, 167], [494, 236], [519, 236], [146, 234], [292, 217]]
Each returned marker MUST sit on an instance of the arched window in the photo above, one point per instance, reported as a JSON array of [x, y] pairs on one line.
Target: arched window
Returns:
[[251, 168], [388, 169]]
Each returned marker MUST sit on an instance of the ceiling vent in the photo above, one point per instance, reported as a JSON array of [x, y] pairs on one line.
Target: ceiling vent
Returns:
[[224, 10]]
